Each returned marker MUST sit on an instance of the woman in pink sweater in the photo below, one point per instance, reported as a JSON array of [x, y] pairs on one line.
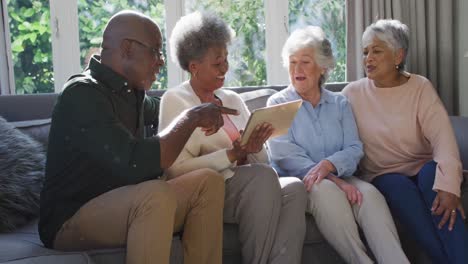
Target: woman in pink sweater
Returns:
[[411, 154]]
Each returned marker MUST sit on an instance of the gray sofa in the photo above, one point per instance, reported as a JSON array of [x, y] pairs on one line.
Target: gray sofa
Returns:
[[31, 114]]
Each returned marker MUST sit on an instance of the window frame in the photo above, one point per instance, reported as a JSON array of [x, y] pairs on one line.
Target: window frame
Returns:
[[276, 34], [66, 51], [65, 41], [7, 75], [174, 10]]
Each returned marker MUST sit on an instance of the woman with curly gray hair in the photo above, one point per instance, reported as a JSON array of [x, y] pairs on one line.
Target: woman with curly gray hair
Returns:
[[269, 212], [322, 148], [411, 154]]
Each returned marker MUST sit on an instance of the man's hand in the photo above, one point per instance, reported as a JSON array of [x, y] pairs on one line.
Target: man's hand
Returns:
[[209, 117], [447, 204], [317, 173], [173, 138]]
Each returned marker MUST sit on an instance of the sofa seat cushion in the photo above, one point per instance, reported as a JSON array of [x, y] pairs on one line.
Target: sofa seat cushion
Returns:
[[231, 244], [24, 243], [313, 234], [24, 246], [68, 258]]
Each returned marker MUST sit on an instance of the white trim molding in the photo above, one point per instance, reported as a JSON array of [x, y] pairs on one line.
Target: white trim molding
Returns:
[[276, 33], [175, 9], [7, 78], [66, 45], [65, 41]]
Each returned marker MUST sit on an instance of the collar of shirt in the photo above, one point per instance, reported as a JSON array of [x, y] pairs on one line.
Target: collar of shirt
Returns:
[[325, 95], [107, 76]]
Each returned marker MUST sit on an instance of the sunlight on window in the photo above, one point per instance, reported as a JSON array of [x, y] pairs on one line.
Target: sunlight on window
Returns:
[[29, 22], [247, 51], [30, 45]]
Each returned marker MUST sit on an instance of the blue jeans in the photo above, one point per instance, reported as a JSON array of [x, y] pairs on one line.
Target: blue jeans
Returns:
[[410, 201]]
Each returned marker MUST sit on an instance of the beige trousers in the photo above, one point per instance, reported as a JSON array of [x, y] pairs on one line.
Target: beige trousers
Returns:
[[144, 217], [270, 214], [337, 219]]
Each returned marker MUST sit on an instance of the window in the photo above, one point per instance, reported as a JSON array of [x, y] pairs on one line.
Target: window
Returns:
[[330, 16], [247, 51], [50, 42], [94, 16], [30, 45]]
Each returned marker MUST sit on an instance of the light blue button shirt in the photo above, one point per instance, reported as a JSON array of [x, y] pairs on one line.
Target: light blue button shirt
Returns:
[[327, 131]]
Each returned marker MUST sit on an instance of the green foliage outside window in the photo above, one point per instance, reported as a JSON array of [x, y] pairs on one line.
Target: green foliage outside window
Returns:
[[31, 45], [32, 50], [93, 17], [330, 16], [31, 37]]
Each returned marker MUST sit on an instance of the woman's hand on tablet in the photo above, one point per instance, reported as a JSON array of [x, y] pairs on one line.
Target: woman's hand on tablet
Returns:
[[258, 137]]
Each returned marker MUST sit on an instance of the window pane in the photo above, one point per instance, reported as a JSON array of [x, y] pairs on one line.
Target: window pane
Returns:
[[247, 50], [93, 16], [30, 45], [330, 16]]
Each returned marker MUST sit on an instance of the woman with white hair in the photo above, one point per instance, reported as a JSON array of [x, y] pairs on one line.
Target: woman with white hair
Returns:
[[411, 154], [322, 148], [269, 212]]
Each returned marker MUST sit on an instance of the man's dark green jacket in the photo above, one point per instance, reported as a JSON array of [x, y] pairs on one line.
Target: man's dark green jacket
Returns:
[[96, 144]]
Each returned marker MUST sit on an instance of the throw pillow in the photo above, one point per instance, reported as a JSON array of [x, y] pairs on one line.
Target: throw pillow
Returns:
[[22, 163]]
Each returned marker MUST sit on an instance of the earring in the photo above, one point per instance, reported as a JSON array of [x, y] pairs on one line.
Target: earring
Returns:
[[397, 67]]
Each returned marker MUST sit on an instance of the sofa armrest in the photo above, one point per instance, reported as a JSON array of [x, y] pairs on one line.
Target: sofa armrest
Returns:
[[460, 127]]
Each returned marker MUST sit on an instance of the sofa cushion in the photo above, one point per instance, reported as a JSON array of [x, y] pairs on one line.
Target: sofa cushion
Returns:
[[22, 162], [68, 258], [257, 98], [37, 129], [27, 106], [24, 246]]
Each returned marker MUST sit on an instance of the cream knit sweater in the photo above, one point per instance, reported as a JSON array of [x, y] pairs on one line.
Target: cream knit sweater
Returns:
[[201, 151]]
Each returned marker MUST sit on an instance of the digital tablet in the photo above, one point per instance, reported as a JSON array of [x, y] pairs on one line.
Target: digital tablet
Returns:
[[280, 116]]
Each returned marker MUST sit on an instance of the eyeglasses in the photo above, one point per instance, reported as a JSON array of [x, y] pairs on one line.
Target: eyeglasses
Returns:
[[157, 54]]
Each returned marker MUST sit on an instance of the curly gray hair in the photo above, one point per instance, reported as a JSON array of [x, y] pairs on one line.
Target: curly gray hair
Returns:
[[311, 37], [394, 33], [194, 34]]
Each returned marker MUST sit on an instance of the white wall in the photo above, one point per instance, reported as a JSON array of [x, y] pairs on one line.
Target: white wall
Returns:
[[462, 52]]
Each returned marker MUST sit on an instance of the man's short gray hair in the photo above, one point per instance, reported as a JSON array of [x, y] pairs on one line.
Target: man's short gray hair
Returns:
[[194, 34], [394, 33], [310, 37]]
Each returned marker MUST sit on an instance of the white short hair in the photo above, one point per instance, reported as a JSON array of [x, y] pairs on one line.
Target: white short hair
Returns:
[[310, 37]]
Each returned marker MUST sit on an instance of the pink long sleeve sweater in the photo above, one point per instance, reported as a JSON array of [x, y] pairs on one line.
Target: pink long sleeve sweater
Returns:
[[404, 127]]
